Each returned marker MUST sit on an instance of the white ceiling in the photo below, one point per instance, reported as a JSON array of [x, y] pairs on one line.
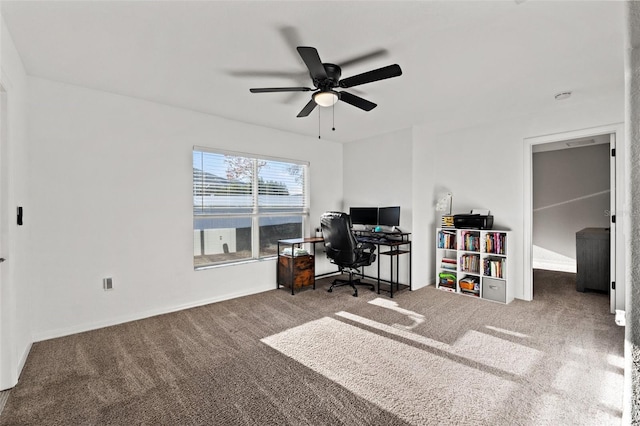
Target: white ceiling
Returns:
[[462, 62]]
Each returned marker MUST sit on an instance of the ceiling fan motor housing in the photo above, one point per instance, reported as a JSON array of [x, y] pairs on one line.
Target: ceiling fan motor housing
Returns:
[[333, 77]]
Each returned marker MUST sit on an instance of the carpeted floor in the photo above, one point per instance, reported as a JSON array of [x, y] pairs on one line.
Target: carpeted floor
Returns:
[[4, 395], [317, 358]]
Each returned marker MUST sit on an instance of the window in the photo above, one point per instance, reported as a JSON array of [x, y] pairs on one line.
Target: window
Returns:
[[243, 204]]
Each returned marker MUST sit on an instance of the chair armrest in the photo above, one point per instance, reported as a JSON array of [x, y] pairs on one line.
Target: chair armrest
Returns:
[[366, 247]]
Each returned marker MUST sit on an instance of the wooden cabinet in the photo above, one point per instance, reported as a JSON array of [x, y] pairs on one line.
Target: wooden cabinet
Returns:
[[593, 259], [298, 271], [474, 262], [296, 266]]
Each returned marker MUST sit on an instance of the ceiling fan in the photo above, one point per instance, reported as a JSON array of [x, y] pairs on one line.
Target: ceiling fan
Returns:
[[326, 78]]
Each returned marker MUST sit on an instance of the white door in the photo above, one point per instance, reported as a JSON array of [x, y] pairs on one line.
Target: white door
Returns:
[[6, 313]]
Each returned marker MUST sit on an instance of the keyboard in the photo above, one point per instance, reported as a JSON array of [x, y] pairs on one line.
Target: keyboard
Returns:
[[373, 240]]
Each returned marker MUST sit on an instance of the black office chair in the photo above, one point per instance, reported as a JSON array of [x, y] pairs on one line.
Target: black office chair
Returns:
[[344, 250]]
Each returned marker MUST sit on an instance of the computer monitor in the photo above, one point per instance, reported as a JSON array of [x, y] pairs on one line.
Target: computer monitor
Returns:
[[364, 215], [389, 216]]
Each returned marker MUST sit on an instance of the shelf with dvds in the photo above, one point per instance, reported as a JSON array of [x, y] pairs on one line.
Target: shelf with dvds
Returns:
[[474, 262]]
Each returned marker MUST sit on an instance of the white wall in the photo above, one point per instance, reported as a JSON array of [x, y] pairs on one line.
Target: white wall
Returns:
[[378, 173], [110, 196], [15, 286], [425, 196], [571, 191], [483, 165]]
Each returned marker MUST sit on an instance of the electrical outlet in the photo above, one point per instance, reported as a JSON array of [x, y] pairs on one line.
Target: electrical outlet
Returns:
[[107, 283]]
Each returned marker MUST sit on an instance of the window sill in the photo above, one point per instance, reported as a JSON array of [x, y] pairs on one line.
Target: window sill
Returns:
[[240, 262]]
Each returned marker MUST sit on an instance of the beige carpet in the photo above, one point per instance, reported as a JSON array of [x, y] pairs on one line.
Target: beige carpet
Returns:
[[4, 395], [317, 358]]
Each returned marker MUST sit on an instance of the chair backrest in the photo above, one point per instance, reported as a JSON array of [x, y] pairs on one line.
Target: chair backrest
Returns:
[[339, 240]]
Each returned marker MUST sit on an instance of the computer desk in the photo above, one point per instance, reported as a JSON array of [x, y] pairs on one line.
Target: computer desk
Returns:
[[397, 243]]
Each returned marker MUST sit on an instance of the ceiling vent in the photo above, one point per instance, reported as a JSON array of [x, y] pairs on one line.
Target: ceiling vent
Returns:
[[562, 95]]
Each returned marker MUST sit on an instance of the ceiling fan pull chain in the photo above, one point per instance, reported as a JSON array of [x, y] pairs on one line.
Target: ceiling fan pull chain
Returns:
[[318, 123], [333, 112]]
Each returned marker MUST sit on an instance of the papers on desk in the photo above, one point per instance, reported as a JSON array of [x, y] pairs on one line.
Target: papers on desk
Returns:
[[296, 252]]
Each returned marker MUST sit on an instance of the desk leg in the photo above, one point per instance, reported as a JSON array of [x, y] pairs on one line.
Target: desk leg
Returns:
[[391, 273], [410, 286], [292, 267], [278, 269], [378, 262], [397, 268], [314, 265]]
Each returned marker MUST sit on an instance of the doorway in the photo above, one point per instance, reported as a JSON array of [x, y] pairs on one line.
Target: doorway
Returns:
[[561, 256]]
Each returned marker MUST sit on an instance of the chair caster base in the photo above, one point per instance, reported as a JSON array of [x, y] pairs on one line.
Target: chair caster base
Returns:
[[351, 283]]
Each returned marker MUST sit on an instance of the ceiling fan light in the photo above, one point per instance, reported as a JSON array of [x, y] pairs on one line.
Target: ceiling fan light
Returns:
[[326, 98]]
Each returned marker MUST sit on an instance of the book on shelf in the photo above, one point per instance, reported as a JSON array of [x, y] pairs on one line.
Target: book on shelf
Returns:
[[447, 263], [447, 221], [494, 267], [495, 243], [475, 293], [470, 240], [470, 262], [447, 239]]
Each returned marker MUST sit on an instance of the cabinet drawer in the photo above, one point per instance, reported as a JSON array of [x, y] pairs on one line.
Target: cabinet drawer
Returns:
[[494, 289], [300, 269]]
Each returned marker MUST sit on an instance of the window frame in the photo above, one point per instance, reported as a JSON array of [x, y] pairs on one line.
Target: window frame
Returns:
[[256, 214]]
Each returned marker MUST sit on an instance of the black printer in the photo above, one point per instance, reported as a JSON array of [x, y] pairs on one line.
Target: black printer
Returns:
[[473, 221]]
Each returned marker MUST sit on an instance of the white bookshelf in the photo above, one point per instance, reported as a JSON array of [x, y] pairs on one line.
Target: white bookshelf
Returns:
[[474, 262]]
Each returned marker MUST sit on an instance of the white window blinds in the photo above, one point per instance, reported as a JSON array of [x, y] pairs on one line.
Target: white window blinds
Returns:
[[281, 184], [234, 183]]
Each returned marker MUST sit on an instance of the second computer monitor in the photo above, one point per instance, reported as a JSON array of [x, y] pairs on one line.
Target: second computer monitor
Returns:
[[364, 215], [389, 216]]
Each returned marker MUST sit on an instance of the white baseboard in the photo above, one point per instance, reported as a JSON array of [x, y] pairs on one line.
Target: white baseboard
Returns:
[[15, 375], [61, 332], [415, 286], [23, 359]]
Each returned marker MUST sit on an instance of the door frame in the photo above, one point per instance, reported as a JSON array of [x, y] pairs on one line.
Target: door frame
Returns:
[[617, 192]]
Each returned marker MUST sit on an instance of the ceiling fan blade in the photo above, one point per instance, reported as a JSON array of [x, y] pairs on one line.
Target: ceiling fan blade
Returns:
[[312, 61], [291, 37], [307, 108], [378, 53], [357, 101], [370, 76], [297, 75], [280, 89]]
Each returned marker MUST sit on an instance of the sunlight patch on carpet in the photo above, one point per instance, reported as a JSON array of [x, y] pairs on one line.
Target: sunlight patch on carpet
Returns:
[[615, 360], [508, 332], [473, 345], [390, 304], [416, 385]]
